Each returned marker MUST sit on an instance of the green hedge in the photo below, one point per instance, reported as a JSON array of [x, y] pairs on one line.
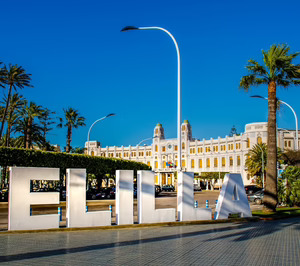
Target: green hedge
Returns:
[[98, 166]]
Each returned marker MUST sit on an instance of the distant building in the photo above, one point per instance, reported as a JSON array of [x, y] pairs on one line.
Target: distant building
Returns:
[[207, 155]]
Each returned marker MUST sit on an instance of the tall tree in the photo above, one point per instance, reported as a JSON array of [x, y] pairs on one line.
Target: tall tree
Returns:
[[72, 120], [14, 77], [278, 70], [2, 76], [16, 103], [32, 132], [256, 155]]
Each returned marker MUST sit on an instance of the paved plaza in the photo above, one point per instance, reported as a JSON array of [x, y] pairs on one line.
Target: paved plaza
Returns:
[[255, 243]]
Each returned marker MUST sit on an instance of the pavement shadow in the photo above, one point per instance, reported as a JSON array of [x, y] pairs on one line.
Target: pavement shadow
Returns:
[[62, 251], [253, 230], [260, 230]]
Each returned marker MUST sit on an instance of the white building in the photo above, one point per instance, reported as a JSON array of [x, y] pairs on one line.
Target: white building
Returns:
[[198, 156]]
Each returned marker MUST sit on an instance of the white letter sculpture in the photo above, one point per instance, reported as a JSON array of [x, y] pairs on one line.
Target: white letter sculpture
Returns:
[[232, 198], [20, 199], [185, 200], [76, 203], [146, 201], [124, 197]]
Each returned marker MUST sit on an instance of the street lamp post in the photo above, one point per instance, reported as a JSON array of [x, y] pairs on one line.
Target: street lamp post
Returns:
[[128, 28], [296, 119], [88, 136]]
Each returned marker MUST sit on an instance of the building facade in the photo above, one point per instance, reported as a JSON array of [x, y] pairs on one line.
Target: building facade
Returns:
[[226, 154]]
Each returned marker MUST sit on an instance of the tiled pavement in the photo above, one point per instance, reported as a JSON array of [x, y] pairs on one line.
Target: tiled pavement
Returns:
[[257, 243]]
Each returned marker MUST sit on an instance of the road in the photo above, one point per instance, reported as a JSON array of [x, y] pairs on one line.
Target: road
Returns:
[[164, 200]]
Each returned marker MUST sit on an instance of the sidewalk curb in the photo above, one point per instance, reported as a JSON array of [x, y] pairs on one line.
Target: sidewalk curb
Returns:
[[132, 226]]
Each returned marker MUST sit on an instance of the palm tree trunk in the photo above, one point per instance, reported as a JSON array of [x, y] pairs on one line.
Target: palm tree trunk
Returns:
[[5, 111], [270, 195], [69, 139], [28, 134]]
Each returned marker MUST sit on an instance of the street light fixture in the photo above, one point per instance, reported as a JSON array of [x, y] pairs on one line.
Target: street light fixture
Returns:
[[296, 119], [88, 137], [128, 28], [146, 140]]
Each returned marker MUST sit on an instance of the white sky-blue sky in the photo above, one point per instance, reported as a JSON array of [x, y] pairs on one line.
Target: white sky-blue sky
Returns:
[[79, 58]]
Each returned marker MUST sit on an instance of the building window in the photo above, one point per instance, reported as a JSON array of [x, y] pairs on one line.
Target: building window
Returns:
[[183, 128], [192, 150], [200, 163], [192, 163], [156, 148], [248, 143], [207, 149], [176, 162], [163, 149], [230, 161], [238, 146], [148, 163], [215, 162], [223, 162], [285, 143], [156, 164], [93, 153], [164, 164], [183, 145], [259, 140], [238, 160], [208, 163], [176, 148], [183, 163], [290, 143], [156, 131]]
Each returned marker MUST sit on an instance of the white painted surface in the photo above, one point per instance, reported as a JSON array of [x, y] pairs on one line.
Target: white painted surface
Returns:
[[76, 203], [20, 199], [233, 198], [124, 197], [146, 201], [185, 200]]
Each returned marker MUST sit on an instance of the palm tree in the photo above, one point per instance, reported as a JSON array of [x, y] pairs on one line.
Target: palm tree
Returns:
[[31, 131], [73, 120], [15, 77], [2, 76], [278, 70], [254, 160], [16, 103]]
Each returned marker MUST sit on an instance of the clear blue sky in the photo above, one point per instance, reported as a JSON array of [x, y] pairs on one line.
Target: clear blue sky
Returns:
[[79, 58]]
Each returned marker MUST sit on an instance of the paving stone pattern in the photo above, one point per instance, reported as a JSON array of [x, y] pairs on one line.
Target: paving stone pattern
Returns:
[[257, 243]]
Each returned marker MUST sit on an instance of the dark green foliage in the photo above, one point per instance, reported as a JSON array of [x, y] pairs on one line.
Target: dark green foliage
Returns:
[[98, 166], [213, 175]]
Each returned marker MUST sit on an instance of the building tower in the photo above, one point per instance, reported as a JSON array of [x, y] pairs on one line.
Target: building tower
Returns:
[[186, 131], [159, 132]]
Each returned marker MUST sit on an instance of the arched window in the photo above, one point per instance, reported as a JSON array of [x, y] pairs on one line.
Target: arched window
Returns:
[[200, 163], [259, 140], [248, 143], [208, 163], [223, 162], [216, 162], [183, 145]]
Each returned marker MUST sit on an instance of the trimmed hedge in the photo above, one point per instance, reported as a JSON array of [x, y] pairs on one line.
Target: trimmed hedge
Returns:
[[99, 166]]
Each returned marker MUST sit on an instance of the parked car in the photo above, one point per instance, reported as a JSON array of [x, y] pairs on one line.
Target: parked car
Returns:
[[197, 187], [106, 193], [91, 194], [168, 188], [157, 190], [4, 195], [256, 197], [250, 189]]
